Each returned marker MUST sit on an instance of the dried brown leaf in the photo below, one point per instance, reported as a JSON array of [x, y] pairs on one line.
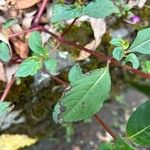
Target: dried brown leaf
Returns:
[[84, 55], [23, 4], [2, 73]]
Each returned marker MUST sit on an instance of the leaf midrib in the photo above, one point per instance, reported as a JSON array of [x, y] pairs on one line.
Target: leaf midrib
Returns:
[[140, 44], [136, 134], [90, 89]]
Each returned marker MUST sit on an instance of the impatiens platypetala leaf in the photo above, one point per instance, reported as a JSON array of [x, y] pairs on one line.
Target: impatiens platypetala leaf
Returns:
[[138, 126], [141, 43], [83, 97]]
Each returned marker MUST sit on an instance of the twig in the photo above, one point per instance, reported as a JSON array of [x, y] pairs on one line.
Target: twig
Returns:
[[70, 26], [99, 55], [26, 31], [65, 84], [7, 89], [40, 12], [105, 126]]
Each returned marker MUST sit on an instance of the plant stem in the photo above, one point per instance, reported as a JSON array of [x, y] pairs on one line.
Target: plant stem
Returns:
[[105, 126], [69, 27], [7, 89], [26, 31], [40, 12], [99, 55], [65, 84]]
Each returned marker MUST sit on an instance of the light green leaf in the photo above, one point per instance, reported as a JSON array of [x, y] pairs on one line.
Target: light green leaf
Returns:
[[84, 97], [116, 41], [138, 126], [118, 53], [4, 110], [133, 59], [96, 9], [100, 9], [9, 23], [64, 12], [30, 66], [5, 53], [75, 73], [4, 107], [35, 43], [105, 146], [51, 66], [119, 144], [141, 43]]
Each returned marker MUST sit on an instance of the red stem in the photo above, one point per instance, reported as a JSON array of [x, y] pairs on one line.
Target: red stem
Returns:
[[26, 31], [40, 12], [105, 126], [99, 55], [7, 89]]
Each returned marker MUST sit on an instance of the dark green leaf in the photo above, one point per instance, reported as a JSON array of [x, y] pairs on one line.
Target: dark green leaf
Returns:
[[5, 53], [141, 43], [133, 59], [75, 73], [51, 66], [84, 97], [138, 126], [35, 43], [118, 53], [28, 67]]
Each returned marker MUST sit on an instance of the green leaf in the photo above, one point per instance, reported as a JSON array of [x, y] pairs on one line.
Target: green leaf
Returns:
[[100, 9], [64, 12], [96, 9], [141, 43], [51, 66], [105, 146], [138, 126], [84, 97], [119, 144], [118, 53], [133, 59], [75, 73], [5, 108], [9, 23], [5, 53], [116, 41], [30, 66], [35, 43]]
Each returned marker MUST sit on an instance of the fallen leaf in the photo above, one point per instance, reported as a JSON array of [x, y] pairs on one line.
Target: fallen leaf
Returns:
[[21, 48], [10, 71], [139, 3], [27, 20], [84, 55], [23, 4], [99, 28], [2, 73], [15, 141]]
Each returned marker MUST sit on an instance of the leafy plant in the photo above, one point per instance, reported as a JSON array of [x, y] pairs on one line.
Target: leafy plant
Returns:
[[84, 96]]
